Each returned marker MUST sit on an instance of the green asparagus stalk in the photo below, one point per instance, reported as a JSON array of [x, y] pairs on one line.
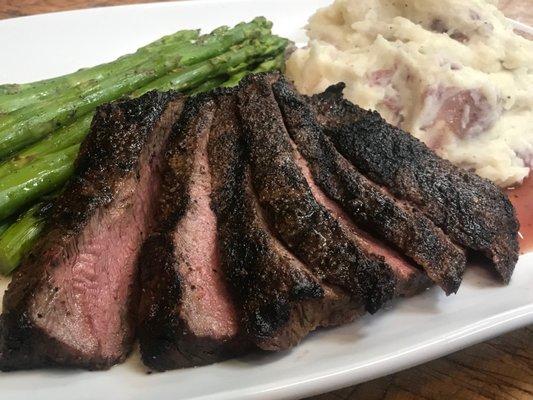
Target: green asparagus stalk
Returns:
[[65, 137], [28, 184], [29, 124], [14, 97], [92, 72], [76, 132], [209, 85], [41, 88], [271, 64], [183, 54], [19, 237], [248, 52], [3, 226], [165, 44]]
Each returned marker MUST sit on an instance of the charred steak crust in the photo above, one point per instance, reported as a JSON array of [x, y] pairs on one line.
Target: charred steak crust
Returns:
[[332, 110], [43, 316], [169, 335], [306, 227], [119, 133], [471, 210], [279, 300], [367, 204]]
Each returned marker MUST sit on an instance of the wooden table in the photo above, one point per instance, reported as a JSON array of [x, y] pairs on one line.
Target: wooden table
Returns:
[[500, 368]]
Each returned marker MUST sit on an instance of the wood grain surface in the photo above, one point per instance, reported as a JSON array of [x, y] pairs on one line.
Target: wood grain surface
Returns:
[[18, 8], [501, 368]]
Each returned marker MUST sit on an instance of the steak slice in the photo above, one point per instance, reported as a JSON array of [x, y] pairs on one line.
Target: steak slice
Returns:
[[305, 226], [187, 317], [409, 279], [471, 210], [70, 303], [279, 299], [367, 204]]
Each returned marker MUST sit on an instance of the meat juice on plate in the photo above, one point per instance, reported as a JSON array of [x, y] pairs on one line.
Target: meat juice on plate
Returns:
[[522, 199]]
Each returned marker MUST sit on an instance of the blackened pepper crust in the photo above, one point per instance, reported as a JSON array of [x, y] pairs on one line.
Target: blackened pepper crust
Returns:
[[371, 208], [473, 211]]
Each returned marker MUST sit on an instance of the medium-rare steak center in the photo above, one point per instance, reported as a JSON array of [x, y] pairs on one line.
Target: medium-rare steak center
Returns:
[[186, 316], [72, 301]]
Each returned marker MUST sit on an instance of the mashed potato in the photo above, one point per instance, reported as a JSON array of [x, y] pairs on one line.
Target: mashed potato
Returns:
[[451, 72]]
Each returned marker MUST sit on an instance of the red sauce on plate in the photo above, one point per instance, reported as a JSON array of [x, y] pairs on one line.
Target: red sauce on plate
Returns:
[[522, 199]]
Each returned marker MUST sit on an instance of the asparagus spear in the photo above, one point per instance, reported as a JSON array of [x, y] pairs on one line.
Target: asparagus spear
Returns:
[[209, 85], [76, 132], [18, 238], [103, 70], [98, 73], [249, 52], [271, 64], [3, 226], [65, 137], [206, 47], [14, 97], [29, 183], [80, 75], [29, 124]]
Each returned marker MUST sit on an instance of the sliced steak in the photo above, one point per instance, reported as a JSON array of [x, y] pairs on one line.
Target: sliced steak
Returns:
[[471, 210], [279, 299], [187, 316], [71, 302], [409, 279], [305, 226], [367, 204]]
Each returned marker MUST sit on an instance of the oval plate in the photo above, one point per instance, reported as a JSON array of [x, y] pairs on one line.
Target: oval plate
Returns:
[[409, 332]]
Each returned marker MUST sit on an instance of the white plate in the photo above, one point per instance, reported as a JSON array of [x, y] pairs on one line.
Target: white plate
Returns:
[[408, 333]]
